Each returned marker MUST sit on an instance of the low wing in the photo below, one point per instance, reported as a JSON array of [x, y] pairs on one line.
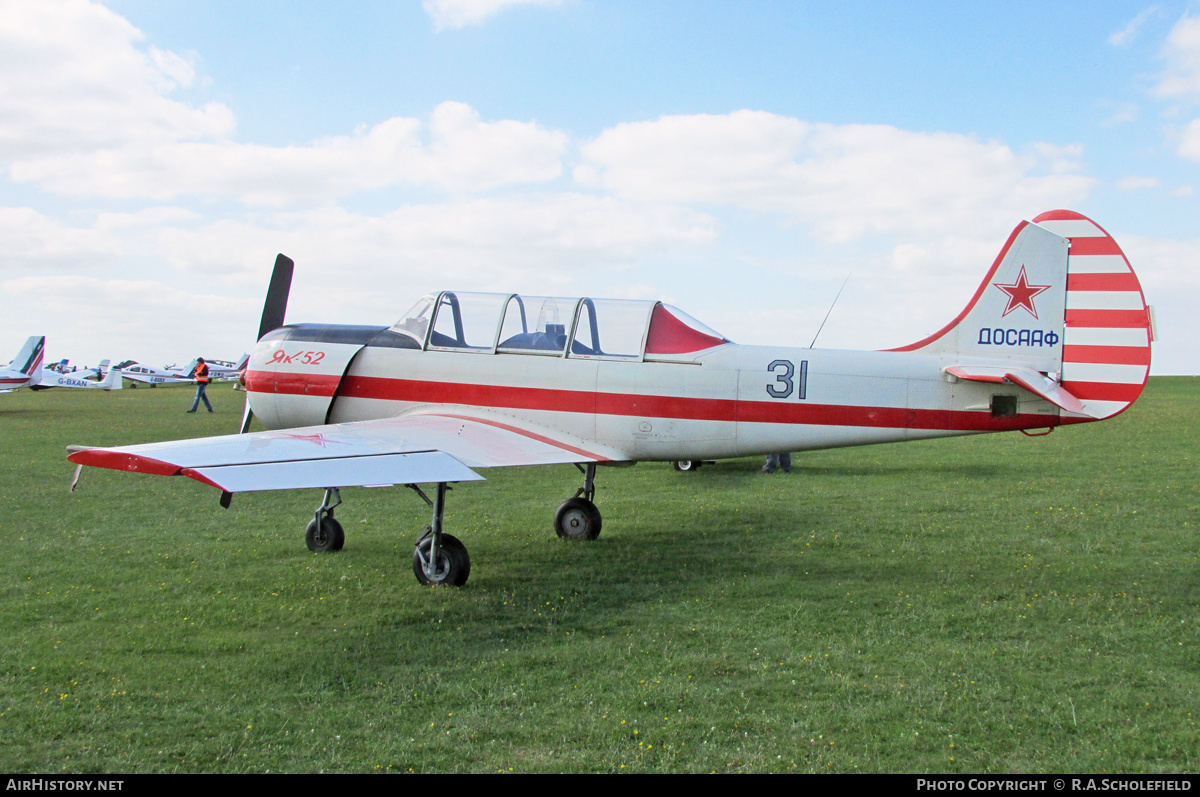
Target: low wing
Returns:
[[1033, 381], [440, 446]]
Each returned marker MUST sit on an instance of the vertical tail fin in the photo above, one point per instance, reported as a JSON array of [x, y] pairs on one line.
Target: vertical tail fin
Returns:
[[29, 359], [112, 379], [1060, 299]]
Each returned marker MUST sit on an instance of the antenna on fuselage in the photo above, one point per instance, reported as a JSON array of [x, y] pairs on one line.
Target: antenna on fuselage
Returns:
[[830, 310]]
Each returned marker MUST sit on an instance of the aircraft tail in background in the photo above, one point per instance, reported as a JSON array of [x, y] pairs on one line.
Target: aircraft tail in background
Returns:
[[26, 367]]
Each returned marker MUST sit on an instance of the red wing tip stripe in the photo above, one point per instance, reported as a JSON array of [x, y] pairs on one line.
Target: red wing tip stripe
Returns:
[[116, 460]]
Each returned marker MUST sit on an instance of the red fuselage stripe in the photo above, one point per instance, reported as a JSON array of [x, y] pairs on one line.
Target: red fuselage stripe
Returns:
[[630, 404], [292, 383]]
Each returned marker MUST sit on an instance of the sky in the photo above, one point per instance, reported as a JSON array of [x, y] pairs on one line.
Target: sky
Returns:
[[742, 161]]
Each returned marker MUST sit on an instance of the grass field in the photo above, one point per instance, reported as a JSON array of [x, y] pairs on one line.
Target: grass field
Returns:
[[988, 604]]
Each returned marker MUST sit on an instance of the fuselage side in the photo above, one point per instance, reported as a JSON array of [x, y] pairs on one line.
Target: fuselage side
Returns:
[[727, 401]]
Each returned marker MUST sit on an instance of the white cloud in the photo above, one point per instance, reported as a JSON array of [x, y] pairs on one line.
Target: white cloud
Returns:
[[33, 241], [1138, 183], [1182, 54], [460, 13], [844, 180], [464, 154], [73, 77], [87, 318], [1189, 143], [1127, 34], [487, 243]]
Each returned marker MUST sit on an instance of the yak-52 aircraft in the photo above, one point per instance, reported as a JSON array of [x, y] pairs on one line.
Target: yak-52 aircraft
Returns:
[[1058, 333], [25, 370]]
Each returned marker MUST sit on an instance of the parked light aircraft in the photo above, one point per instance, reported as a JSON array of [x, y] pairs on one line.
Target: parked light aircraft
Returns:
[[26, 368], [82, 379], [220, 370], [1057, 333], [148, 375]]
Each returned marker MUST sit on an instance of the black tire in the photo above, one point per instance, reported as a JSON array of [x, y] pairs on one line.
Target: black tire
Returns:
[[330, 537], [686, 465], [577, 519], [454, 563]]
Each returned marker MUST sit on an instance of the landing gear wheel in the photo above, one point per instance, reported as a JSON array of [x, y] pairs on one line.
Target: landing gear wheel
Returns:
[[329, 537], [577, 519], [686, 465], [453, 562]]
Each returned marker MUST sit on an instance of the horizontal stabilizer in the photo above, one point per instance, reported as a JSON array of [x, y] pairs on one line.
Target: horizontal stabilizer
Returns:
[[1035, 382]]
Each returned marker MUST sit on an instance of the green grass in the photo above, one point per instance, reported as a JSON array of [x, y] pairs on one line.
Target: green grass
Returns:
[[987, 604]]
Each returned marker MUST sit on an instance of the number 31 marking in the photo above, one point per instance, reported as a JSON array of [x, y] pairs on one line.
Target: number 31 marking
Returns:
[[785, 381]]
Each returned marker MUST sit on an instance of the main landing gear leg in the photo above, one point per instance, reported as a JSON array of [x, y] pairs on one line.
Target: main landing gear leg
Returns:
[[323, 532], [578, 518], [440, 558]]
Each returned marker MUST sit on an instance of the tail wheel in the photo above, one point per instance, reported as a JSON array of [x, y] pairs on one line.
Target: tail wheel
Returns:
[[329, 536], [686, 465], [577, 519], [453, 564]]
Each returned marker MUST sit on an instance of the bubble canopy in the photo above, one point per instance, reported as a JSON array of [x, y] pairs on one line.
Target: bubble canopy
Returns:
[[581, 328]]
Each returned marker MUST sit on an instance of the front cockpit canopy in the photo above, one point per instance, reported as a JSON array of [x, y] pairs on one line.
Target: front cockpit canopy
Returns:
[[617, 329]]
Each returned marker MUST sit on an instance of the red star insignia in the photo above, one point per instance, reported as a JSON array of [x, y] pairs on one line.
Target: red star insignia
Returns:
[[1021, 293]]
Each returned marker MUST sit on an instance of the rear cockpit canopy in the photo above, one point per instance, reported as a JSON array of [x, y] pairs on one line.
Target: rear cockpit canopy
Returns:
[[610, 329]]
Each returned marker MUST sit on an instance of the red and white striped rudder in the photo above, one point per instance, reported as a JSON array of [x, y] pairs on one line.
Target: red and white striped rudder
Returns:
[[1107, 335]]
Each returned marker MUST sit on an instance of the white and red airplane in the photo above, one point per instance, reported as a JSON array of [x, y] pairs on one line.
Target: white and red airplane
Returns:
[[25, 370], [1058, 333], [219, 370], [82, 380], [137, 373]]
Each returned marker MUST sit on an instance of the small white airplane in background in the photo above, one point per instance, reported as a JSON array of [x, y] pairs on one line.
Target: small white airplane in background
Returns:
[[1058, 333], [82, 379], [137, 373], [65, 367], [25, 370], [220, 370]]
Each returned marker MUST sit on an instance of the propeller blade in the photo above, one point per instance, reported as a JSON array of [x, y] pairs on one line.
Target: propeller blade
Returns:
[[274, 309], [275, 306], [247, 416]]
